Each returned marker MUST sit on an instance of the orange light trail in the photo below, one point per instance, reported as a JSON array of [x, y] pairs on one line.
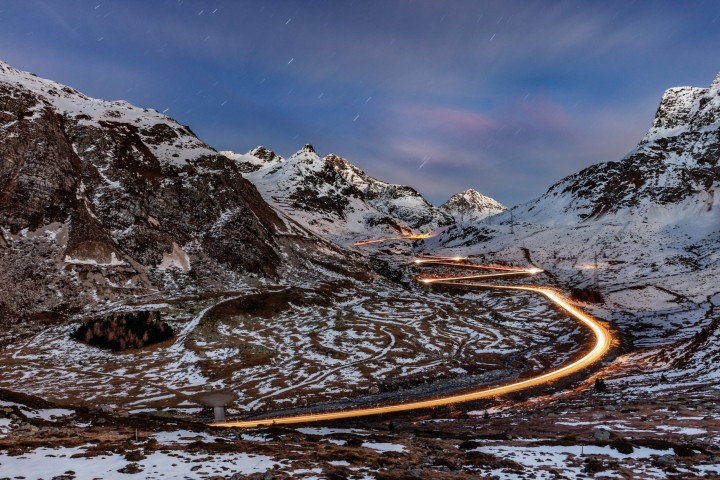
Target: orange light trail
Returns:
[[410, 236], [603, 341], [451, 280]]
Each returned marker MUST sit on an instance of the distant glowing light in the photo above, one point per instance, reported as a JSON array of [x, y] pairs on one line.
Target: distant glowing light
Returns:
[[407, 236]]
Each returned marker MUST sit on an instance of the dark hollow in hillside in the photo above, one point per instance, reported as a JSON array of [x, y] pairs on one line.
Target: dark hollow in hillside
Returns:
[[590, 295], [124, 331]]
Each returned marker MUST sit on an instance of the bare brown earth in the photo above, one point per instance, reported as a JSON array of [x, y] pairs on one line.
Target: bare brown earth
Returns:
[[450, 446]]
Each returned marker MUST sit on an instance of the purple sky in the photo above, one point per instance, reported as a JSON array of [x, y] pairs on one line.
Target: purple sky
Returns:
[[504, 97]]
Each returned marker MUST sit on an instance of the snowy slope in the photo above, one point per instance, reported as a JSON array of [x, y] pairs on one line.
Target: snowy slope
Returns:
[[254, 160], [103, 200], [652, 219], [471, 206], [170, 142], [338, 201], [677, 160]]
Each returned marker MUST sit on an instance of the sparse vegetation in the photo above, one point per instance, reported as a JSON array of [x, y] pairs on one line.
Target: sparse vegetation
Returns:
[[124, 331]]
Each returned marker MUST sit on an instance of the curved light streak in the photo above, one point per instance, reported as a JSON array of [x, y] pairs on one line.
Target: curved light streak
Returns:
[[603, 342], [409, 236]]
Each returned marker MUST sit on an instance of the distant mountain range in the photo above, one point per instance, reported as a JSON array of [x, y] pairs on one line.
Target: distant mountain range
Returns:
[[472, 206], [336, 199], [103, 202]]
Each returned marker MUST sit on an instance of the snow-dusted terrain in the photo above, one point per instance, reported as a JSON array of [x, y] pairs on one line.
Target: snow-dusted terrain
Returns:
[[335, 199], [107, 207], [471, 206], [105, 202], [323, 346], [645, 230]]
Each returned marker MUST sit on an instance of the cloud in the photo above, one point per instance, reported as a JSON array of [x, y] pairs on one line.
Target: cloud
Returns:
[[447, 119]]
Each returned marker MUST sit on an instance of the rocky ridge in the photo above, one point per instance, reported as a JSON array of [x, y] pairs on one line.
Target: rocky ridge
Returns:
[[337, 200], [644, 231], [101, 200], [678, 161]]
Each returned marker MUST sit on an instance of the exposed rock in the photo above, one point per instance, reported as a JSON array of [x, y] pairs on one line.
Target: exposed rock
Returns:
[[255, 159], [665, 461], [103, 200], [337, 200], [677, 160], [601, 435]]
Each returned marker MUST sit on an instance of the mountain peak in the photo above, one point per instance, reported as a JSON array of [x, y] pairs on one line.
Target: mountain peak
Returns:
[[306, 154], [471, 206], [716, 83], [265, 154], [685, 109]]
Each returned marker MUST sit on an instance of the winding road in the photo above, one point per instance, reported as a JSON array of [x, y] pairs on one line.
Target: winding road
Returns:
[[603, 341]]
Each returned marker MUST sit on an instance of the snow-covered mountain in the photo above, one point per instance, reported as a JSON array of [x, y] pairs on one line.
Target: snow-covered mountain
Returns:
[[677, 162], [101, 200], [471, 206], [255, 159], [337, 200], [649, 225]]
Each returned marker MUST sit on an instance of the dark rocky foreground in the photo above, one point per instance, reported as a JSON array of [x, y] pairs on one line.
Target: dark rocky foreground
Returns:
[[577, 436]]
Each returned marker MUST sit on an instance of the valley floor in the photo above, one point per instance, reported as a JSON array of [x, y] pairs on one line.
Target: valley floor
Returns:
[[574, 435], [135, 415]]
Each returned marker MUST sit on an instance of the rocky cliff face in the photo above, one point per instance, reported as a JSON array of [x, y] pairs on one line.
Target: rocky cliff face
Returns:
[[339, 201], [678, 161], [471, 206], [101, 200]]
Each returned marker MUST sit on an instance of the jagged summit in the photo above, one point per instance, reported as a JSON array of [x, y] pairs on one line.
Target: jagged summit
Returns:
[[647, 220], [683, 108], [676, 163], [307, 148], [716, 83], [267, 155], [471, 206], [253, 160], [335, 198]]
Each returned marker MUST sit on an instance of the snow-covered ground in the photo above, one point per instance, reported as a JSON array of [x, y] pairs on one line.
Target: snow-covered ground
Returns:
[[324, 346], [645, 231], [55, 462]]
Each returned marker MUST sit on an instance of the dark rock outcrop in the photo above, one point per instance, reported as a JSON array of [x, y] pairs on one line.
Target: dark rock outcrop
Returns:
[[102, 199]]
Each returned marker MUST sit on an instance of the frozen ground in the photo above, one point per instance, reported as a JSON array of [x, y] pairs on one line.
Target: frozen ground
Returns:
[[669, 437], [318, 345]]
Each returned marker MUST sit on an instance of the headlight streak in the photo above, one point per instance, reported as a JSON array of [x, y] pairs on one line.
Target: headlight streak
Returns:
[[603, 342], [409, 236]]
